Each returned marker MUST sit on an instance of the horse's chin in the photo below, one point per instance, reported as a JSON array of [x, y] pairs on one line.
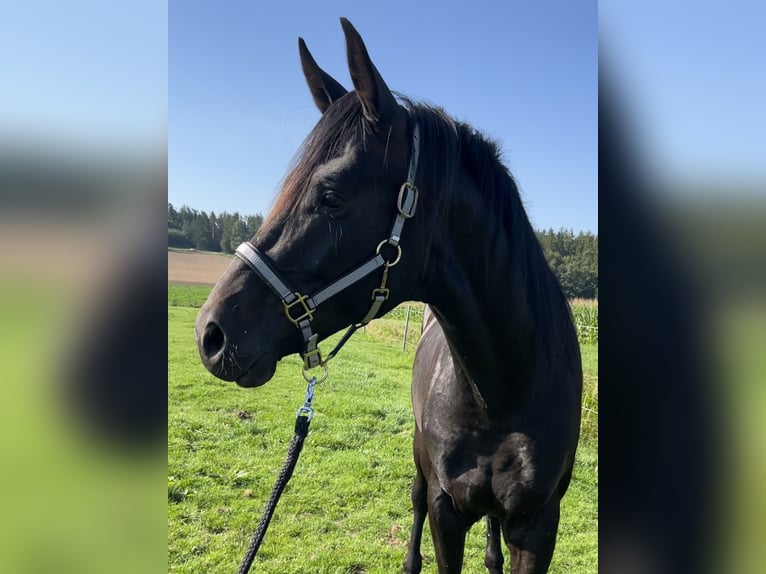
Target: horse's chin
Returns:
[[259, 373]]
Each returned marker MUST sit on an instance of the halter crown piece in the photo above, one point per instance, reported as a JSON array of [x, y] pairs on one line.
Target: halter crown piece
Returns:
[[300, 309]]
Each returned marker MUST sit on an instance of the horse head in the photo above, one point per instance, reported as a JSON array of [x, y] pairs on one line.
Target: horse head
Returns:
[[329, 253]]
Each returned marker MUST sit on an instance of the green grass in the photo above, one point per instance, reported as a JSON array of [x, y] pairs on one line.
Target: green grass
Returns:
[[347, 508], [585, 315], [187, 295]]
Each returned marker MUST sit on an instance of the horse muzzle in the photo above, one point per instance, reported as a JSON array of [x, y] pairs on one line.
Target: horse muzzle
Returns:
[[241, 360]]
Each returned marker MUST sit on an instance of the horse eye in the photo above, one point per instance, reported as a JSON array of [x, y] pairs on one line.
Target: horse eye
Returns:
[[332, 200]]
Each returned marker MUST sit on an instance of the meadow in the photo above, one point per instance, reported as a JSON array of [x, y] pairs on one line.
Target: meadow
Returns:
[[347, 508]]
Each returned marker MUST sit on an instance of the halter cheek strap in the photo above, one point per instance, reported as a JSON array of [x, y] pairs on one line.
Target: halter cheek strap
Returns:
[[300, 309]]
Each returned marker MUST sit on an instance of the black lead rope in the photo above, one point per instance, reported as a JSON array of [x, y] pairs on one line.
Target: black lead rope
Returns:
[[302, 422]]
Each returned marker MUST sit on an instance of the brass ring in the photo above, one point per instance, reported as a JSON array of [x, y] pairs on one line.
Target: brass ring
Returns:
[[398, 252], [322, 379]]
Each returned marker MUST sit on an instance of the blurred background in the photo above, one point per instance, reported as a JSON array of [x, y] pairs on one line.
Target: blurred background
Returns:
[[83, 183], [682, 200], [83, 192]]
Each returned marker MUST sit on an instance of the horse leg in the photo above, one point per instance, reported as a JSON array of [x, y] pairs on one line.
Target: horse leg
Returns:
[[532, 547], [448, 533], [413, 561], [493, 559]]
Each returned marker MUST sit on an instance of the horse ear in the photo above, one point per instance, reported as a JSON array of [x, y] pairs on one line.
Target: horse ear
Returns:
[[324, 88], [377, 100]]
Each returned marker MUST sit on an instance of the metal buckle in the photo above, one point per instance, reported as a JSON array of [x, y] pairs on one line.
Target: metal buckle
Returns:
[[300, 299], [308, 412], [398, 252], [307, 359], [402, 196], [305, 409], [380, 291]]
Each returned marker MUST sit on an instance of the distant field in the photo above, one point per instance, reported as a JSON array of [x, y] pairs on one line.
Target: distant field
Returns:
[[189, 267]]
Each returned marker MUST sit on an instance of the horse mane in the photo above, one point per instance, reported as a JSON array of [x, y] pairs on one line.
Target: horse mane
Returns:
[[450, 145]]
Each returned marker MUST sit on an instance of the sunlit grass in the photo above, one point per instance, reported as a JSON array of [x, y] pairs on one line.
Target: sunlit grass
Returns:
[[347, 508]]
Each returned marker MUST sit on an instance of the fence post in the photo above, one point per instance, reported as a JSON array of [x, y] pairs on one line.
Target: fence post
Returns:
[[406, 326]]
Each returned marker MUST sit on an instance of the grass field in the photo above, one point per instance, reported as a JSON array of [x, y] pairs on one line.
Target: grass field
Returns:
[[347, 508]]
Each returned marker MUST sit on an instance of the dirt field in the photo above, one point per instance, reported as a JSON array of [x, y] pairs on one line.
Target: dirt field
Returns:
[[195, 267]]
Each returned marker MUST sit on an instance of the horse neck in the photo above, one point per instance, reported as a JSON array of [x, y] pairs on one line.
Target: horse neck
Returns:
[[480, 287]]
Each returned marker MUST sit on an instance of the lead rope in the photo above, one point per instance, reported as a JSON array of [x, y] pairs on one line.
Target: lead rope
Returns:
[[302, 422]]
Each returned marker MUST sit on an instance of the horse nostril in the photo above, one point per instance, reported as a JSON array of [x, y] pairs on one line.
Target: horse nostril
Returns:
[[213, 340]]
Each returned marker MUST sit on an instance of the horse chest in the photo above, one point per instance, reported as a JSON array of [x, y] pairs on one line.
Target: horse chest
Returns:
[[471, 491], [480, 471]]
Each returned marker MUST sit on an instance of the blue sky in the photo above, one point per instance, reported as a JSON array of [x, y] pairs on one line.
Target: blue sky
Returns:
[[691, 77], [225, 78], [524, 73], [84, 75]]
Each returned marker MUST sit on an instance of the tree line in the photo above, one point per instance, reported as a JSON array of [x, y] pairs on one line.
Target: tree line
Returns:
[[189, 228], [573, 258]]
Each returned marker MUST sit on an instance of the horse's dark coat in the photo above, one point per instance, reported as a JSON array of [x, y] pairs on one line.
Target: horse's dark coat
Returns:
[[497, 379]]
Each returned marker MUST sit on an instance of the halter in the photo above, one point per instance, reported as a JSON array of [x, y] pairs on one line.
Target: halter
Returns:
[[300, 309]]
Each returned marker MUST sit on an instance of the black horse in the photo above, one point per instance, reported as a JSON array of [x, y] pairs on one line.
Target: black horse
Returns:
[[497, 378]]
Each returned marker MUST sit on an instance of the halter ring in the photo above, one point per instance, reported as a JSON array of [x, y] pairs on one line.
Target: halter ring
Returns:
[[398, 252], [321, 379]]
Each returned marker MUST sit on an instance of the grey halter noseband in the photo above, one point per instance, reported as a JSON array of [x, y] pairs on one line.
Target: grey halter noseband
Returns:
[[299, 309]]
